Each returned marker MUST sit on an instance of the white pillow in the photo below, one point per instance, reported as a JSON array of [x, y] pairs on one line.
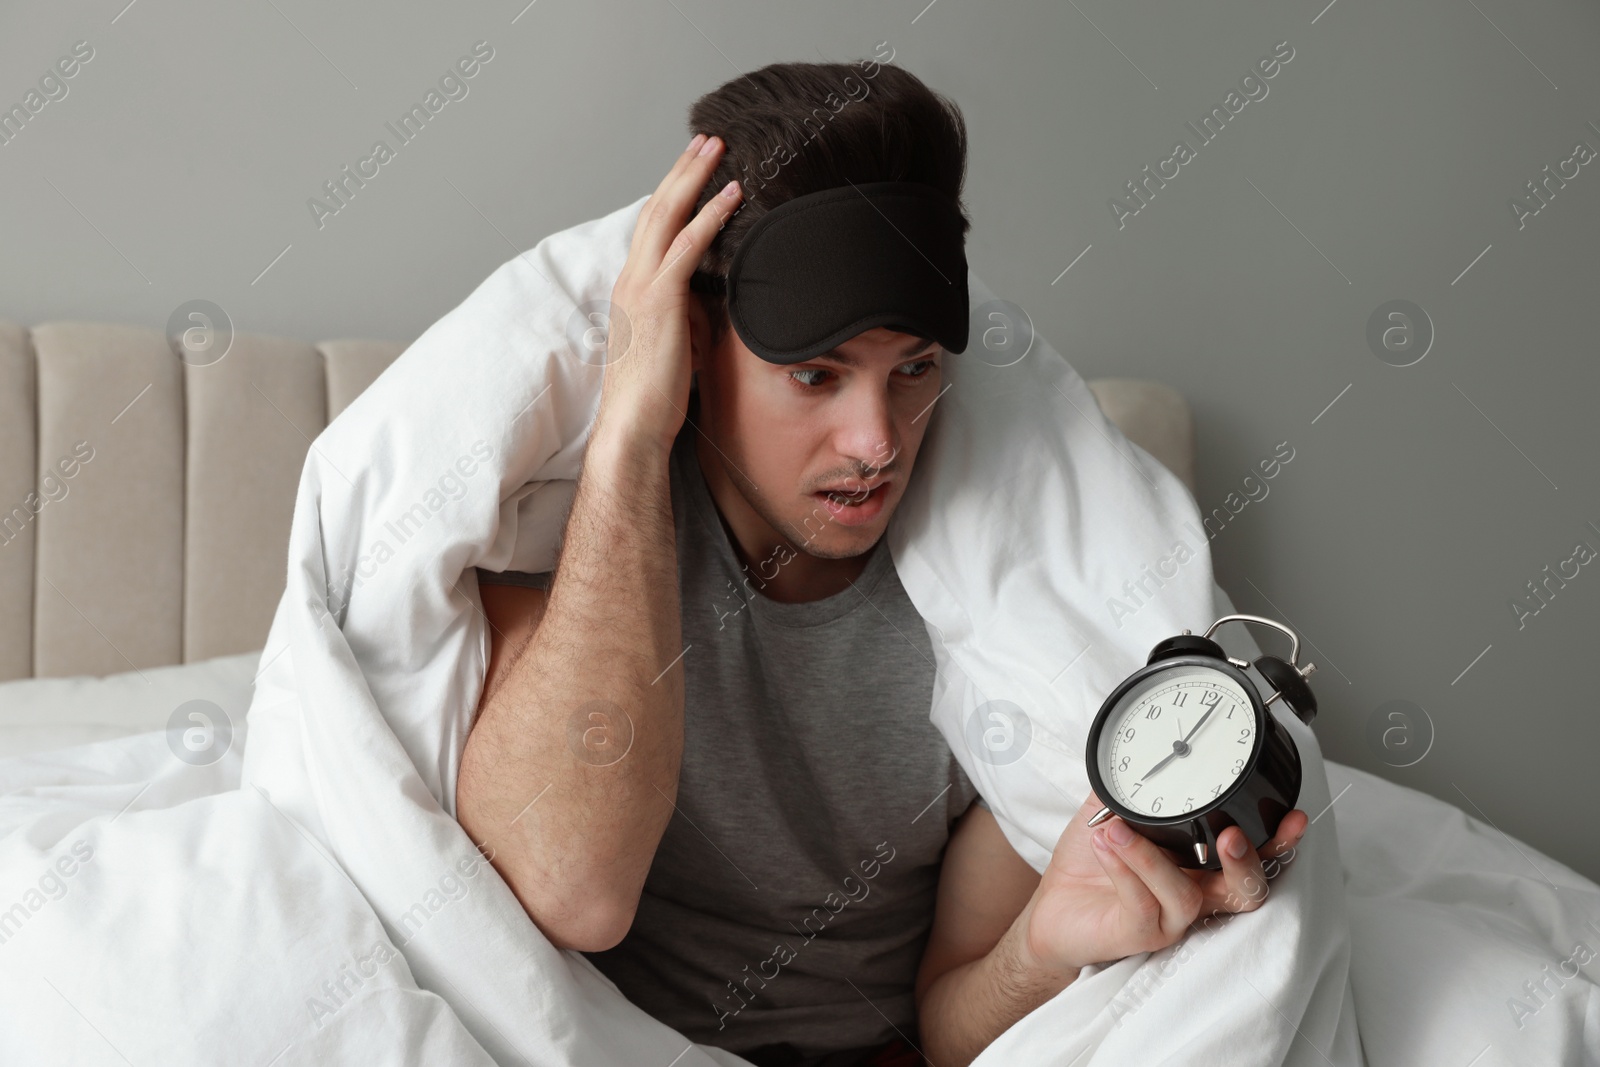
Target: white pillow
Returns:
[[40, 714]]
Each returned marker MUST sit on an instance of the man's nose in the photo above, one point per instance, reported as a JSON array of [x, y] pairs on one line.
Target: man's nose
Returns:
[[867, 432]]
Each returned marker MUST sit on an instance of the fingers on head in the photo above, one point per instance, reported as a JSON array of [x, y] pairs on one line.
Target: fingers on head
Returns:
[[685, 160], [674, 198], [687, 249]]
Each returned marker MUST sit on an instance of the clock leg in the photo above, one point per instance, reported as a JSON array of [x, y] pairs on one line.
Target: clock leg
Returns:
[[1205, 847]]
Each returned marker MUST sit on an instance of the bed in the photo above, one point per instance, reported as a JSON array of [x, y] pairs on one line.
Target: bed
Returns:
[[145, 547]]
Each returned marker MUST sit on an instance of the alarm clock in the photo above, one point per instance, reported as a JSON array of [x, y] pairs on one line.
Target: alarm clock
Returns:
[[1185, 747]]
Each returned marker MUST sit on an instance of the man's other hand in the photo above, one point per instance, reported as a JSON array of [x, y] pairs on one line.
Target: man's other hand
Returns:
[[1110, 892]]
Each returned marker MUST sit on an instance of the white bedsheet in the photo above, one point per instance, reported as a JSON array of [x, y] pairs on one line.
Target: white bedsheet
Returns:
[[314, 901], [40, 714]]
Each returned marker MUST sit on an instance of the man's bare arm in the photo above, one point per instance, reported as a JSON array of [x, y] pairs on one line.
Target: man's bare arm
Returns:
[[577, 858], [973, 984], [572, 834]]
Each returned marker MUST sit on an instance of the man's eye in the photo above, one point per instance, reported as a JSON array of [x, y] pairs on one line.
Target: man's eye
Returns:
[[797, 376], [919, 369]]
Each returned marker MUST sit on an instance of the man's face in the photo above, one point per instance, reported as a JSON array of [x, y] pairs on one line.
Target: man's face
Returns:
[[851, 421]]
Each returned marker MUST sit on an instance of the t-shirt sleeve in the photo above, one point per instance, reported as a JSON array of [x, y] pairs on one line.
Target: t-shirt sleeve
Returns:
[[536, 581]]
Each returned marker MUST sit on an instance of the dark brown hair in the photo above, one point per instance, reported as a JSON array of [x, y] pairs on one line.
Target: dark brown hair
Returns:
[[798, 128]]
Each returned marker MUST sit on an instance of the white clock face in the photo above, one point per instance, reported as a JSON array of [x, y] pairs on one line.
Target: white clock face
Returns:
[[1177, 741]]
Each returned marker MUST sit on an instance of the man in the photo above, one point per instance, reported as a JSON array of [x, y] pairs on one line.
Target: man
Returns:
[[704, 738]]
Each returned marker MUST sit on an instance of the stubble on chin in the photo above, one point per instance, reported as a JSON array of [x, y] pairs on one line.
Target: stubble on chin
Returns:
[[827, 539], [814, 533]]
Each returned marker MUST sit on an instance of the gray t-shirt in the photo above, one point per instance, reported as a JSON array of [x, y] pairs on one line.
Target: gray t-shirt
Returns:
[[793, 890]]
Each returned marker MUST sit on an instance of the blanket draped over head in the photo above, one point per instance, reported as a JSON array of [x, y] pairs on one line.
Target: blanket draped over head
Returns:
[[1025, 516], [317, 902]]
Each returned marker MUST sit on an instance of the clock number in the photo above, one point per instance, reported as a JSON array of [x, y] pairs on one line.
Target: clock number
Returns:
[[1153, 713], [1178, 700], [1244, 736], [1238, 765], [1136, 790], [1188, 803], [1211, 699], [1216, 790], [1155, 805], [1127, 735], [1124, 764], [1231, 709]]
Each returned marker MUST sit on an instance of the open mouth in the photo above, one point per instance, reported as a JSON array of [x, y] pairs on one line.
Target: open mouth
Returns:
[[857, 506], [851, 498]]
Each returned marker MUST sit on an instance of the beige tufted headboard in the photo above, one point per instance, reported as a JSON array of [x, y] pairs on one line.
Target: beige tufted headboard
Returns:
[[170, 543], [145, 503]]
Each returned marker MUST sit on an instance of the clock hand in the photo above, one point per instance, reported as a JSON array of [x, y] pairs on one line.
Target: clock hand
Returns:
[[1174, 755], [1181, 747], [1202, 721]]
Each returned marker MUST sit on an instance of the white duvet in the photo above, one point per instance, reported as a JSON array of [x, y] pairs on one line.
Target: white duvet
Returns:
[[309, 898]]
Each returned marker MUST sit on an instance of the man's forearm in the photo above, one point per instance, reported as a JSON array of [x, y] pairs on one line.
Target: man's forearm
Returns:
[[969, 1006], [577, 858]]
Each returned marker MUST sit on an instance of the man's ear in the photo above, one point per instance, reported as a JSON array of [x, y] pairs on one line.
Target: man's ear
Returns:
[[699, 335]]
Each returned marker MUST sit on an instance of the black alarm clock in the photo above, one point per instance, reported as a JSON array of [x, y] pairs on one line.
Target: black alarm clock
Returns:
[[1185, 747]]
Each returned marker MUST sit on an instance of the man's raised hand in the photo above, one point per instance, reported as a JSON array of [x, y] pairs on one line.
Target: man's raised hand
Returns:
[[645, 390]]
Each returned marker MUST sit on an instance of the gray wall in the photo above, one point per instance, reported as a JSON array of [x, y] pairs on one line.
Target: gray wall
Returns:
[[1380, 166]]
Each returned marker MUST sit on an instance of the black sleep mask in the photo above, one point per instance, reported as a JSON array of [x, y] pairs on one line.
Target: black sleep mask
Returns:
[[817, 270]]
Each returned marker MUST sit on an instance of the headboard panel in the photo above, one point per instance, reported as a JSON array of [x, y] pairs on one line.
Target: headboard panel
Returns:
[[19, 475], [163, 537], [108, 557], [251, 418], [145, 503]]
